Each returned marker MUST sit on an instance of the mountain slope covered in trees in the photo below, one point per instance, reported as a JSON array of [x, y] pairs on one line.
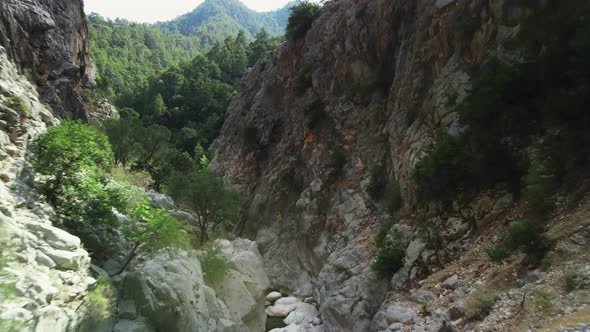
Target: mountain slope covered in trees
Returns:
[[128, 54], [214, 20]]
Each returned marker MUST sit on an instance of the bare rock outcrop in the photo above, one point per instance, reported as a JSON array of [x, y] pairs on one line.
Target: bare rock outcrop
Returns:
[[374, 80], [49, 43]]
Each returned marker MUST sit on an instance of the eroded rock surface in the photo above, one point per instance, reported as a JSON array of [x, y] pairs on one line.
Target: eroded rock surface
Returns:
[[169, 292], [375, 80], [49, 43]]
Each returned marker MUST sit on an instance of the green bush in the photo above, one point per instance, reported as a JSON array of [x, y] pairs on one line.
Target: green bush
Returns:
[[316, 113], [441, 175], [538, 187], [337, 162], [391, 251], [73, 158], [100, 301], [140, 179], [215, 207], [303, 80], [479, 305], [301, 18], [214, 263], [524, 236], [18, 105]]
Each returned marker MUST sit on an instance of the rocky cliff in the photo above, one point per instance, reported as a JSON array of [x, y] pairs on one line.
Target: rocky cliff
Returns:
[[374, 81], [48, 42]]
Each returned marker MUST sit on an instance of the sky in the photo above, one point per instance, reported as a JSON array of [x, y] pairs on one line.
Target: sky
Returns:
[[161, 10]]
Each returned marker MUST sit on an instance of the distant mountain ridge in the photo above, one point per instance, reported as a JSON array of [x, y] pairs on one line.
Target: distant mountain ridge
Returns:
[[214, 20]]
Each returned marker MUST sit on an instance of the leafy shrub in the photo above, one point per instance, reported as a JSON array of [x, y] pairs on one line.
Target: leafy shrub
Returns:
[[301, 18], [337, 162], [205, 195], [479, 306], [499, 253], [391, 251], [88, 198], [155, 229], [74, 157], [538, 187], [99, 301], [316, 113], [303, 80], [140, 179], [18, 105], [214, 263], [441, 174], [542, 299], [151, 230], [524, 236]]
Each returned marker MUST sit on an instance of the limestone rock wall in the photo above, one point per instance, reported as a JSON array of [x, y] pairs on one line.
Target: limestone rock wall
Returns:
[[49, 43], [376, 79], [44, 270]]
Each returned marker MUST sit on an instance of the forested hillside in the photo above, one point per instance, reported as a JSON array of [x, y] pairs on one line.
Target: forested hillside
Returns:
[[127, 54], [214, 20]]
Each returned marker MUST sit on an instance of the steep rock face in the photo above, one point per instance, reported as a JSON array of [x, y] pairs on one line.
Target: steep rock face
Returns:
[[373, 80], [48, 41], [43, 269]]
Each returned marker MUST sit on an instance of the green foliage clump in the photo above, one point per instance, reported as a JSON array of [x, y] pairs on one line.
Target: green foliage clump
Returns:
[[18, 105], [538, 187], [100, 301], [205, 195], [316, 113], [155, 229], [303, 80], [151, 230], [214, 263], [524, 236], [74, 158], [440, 175], [128, 54], [337, 162], [214, 20], [301, 18], [263, 44], [391, 251], [140, 179], [479, 305]]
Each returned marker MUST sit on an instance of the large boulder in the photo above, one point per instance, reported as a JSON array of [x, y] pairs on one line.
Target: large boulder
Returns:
[[169, 290]]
